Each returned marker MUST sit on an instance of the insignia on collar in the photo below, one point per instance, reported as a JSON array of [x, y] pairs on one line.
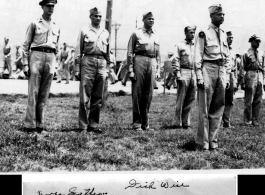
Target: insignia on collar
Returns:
[[201, 34]]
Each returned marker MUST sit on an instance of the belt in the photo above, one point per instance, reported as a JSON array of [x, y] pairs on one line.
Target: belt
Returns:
[[189, 68], [43, 49], [219, 62], [257, 71], [98, 56], [146, 55]]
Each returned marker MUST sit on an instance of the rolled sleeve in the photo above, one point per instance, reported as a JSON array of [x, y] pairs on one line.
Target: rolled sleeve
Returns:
[[130, 51]]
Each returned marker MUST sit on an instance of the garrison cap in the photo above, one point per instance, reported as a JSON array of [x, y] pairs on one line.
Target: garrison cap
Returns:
[[94, 11], [229, 34], [191, 27], [147, 14], [48, 2], [215, 8], [254, 38]]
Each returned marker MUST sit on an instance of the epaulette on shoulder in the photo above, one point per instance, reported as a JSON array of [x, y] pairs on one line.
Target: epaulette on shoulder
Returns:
[[201, 34]]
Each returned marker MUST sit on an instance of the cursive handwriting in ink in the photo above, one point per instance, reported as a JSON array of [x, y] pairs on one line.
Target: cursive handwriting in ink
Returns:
[[178, 186], [164, 184], [134, 184], [53, 193]]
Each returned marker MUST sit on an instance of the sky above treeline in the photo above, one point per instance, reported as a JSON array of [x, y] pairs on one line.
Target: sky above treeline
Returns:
[[243, 17]]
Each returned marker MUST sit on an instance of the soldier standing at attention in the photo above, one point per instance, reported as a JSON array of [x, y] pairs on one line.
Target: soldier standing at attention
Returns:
[[184, 70], [229, 93], [212, 70], [64, 57], [7, 57], [252, 64], [42, 39], [142, 58], [92, 43]]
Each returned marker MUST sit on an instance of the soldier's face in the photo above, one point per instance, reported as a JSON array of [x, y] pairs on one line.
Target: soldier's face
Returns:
[[218, 18], [190, 34], [149, 21], [230, 40], [95, 19], [48, 9], [255, 44]]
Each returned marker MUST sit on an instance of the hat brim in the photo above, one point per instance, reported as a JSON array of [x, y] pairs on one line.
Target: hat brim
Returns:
[[43, 3]]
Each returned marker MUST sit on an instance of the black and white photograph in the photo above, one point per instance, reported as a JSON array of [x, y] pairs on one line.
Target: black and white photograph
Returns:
[[132, 85]]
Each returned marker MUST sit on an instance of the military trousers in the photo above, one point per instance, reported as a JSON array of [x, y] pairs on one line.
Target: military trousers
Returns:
[[142, 90], [112, 76], [186, 93], [7, 64], [171, 80], [211, 101], [92, 83], [253, 95], [229, 100], [39, 84], [64, 70]]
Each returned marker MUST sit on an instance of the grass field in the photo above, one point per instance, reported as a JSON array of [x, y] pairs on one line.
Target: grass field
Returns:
[[120, 148]]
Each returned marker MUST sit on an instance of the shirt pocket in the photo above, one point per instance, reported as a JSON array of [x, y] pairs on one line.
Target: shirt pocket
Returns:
[[212, 47], [142, 45], [89, 43], [104, 44], [40, 36]]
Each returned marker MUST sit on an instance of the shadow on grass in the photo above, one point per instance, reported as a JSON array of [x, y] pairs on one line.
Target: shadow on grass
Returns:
[[171, 127], [189, 146]]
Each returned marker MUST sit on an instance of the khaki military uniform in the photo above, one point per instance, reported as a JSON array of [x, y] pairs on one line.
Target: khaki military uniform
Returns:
[[64, 69], [7, 60], [229, 93], [92, 45], [183, 65], [143, 57], [252, 64], [42, 40], [212, 67]]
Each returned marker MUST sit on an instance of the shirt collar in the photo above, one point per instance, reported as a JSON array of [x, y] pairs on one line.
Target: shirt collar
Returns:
[[215, 27], [189, 43], [42, 20], [251, 48], [144, 30], [94, 29]]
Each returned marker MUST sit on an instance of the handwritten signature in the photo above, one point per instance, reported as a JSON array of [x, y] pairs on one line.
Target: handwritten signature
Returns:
[[72, 191], [152, 185]]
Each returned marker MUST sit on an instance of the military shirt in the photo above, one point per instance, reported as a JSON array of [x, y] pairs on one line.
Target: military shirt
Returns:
[[19, 55], [142, 41], [252, 60], [41, 33], [65, 55], [7, 50], [233, 62], [210, 47], [91, 41], [183, 56]]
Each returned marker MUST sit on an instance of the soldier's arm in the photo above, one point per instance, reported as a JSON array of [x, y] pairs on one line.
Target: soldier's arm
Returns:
[[79, 48], [176, 62], [130, 51], [242, 71], [158, 59], [57, 43], [199, 52], [27, 42], [68, 56]]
